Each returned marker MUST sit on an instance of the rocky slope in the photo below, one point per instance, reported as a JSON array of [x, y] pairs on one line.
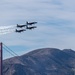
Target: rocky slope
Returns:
[[45, 61]]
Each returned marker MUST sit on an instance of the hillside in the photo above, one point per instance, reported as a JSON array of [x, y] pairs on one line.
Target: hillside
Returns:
[[45, 61]]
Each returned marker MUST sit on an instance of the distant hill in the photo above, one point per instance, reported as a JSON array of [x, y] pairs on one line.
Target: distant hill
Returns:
[[45, 61]]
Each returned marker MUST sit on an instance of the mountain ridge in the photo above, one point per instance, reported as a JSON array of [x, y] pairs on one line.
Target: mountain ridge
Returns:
[[44, 61]]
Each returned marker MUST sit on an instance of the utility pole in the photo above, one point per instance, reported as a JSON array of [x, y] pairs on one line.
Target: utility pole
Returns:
[[1, 73]]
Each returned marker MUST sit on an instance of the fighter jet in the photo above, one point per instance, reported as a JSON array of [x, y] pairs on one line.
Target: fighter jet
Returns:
[[31, 27], [20, 26], [19, 31], [30, 23]]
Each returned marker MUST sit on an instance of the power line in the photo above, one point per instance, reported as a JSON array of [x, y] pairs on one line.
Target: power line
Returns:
[[11, 50], [8, 51]]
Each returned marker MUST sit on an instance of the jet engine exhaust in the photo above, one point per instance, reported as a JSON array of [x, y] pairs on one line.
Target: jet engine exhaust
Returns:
[[6, 29]]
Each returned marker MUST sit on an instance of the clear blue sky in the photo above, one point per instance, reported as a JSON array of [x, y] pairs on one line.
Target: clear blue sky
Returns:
[[55, 27]]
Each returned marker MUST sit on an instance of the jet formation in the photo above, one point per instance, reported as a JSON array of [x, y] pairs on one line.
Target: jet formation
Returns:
[[26, 26]]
